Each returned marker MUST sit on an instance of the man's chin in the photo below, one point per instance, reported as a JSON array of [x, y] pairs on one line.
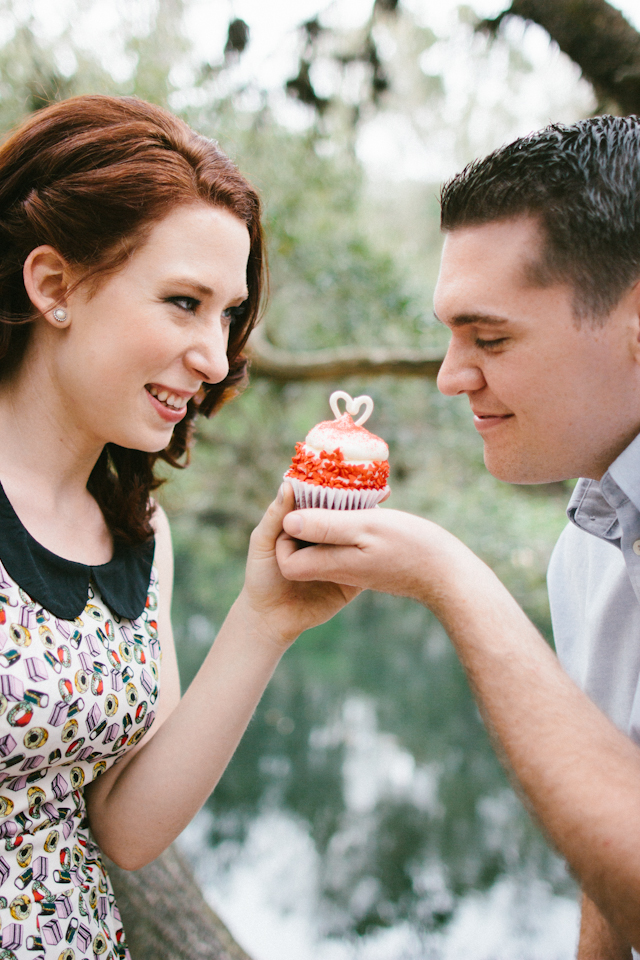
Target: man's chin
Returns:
[[523, 471]]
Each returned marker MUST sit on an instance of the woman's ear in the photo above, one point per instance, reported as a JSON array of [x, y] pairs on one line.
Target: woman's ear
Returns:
[[46, 280]]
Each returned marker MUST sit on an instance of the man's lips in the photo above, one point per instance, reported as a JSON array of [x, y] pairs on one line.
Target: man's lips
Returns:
[[486, 421]]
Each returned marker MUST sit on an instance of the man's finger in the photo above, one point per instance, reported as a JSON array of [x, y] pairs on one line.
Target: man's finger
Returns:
[[316, 525], [321, 562]]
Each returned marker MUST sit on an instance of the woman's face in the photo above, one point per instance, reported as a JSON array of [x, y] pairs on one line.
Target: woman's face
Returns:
[[138, 348]]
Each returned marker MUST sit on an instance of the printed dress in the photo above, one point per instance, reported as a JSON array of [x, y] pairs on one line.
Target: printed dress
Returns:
[[79, 666]]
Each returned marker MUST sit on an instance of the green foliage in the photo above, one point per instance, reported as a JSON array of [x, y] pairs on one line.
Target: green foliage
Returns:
[[351, 264], [30, 76], [337, 280]]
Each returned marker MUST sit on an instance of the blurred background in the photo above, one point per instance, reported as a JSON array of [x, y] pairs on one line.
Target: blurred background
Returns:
[[364, 816]]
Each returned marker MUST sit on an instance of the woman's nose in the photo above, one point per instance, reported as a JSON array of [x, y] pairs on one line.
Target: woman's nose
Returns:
[[459, 372], [207, 358]]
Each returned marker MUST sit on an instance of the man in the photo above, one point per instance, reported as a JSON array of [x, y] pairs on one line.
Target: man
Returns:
[[540, 287]]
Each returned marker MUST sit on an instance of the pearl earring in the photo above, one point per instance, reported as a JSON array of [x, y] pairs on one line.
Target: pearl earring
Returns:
[[60, 315]]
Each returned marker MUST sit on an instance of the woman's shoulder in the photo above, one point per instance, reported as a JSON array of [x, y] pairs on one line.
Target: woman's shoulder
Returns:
[[163, 557], [160, 523]]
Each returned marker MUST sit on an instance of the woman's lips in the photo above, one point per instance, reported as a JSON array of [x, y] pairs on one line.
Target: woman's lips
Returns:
[[486, 421], [167, 413]]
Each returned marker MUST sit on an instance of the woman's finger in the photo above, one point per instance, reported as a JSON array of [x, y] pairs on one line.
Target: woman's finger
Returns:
[[265, 534]]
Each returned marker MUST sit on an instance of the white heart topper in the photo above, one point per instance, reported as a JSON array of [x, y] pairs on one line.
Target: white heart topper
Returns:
[[351, 405]]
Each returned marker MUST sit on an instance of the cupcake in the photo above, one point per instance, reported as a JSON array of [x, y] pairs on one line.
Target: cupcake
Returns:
[[340, 465]]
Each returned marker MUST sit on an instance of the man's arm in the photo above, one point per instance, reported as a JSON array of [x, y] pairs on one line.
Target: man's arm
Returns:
[[598, 939], [581, 775]]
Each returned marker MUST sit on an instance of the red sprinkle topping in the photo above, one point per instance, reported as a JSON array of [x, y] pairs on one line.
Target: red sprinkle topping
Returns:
[[331, 470]]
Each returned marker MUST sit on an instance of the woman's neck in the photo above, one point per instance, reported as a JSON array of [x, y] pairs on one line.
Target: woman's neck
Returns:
[[45, 466]]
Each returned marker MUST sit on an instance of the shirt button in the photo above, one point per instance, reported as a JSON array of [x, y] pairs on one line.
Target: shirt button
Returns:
[[636, 547]]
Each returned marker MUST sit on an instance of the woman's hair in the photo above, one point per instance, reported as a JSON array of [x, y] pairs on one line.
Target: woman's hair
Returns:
[[90, 176]]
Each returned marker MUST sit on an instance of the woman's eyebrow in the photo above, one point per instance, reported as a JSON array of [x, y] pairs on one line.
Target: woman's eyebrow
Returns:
[[201, 288], [190, 282]]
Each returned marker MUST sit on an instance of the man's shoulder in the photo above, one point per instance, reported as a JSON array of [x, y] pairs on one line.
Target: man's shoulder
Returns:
[[580, 561]]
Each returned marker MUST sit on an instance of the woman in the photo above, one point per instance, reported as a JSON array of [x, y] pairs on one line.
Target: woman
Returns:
[[131, 270]]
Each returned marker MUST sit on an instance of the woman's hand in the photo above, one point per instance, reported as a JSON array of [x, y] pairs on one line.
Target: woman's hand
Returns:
[[285, 608]]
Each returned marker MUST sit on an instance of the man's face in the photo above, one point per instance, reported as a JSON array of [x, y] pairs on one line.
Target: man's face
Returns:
[[551, 399]]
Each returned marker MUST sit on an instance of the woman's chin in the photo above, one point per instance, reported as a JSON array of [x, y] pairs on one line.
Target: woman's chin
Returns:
[[147, 443]]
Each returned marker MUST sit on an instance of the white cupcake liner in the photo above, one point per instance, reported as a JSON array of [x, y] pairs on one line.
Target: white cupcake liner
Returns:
[[332, 498]]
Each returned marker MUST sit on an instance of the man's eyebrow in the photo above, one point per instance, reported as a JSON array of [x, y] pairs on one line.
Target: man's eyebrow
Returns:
[[466, 319]]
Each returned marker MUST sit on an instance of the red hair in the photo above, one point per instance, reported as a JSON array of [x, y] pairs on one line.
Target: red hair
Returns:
[[90, 176]]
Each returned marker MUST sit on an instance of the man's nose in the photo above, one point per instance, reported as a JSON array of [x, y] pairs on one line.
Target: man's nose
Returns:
[[459, 372]]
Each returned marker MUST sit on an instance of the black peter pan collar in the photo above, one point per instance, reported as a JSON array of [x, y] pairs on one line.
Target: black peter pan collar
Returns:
[[62, 586]]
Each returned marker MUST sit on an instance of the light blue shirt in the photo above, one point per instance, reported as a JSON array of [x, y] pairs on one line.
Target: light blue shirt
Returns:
[[594, 591]]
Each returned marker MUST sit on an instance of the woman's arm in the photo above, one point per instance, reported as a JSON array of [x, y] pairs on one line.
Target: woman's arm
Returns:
[[139, 806], [580, 773]]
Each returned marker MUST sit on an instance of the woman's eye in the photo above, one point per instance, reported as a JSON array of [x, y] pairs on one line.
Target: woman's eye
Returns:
[[233, 314], [190, 304]]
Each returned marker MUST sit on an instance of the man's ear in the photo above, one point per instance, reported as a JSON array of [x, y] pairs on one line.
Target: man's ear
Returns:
[[634, 295], [47, 280]]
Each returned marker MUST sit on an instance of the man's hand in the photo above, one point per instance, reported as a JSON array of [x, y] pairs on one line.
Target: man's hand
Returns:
[[378, 549]]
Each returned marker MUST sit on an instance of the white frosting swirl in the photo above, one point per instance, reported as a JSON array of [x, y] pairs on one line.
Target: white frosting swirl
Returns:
[[356, 444]]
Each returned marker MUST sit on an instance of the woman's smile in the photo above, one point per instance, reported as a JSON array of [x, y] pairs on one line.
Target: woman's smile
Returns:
[[171, 406]]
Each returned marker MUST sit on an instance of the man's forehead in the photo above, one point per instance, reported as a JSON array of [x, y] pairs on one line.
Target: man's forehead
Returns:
[[502, 257], [509, 242], [493, 274]]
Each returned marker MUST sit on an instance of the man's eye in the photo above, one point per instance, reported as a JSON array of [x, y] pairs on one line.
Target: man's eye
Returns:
[[489, 344], [190, 304]]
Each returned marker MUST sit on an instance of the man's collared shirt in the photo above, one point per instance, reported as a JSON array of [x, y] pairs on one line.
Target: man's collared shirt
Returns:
[[594, 590]]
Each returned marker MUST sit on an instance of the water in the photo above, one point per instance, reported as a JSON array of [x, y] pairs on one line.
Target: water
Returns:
[[267, 892], [289, 893]]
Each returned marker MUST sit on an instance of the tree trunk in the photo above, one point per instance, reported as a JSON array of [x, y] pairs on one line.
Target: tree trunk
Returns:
[[597, 37], [165, 916]]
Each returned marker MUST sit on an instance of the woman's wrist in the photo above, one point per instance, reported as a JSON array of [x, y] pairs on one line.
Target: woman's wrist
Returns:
[[256, 624]]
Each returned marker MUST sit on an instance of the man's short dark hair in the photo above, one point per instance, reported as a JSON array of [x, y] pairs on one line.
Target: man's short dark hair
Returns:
[[583, 183]]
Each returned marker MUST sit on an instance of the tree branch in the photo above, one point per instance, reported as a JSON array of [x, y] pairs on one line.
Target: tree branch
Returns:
[[334, 364], [596, 36]]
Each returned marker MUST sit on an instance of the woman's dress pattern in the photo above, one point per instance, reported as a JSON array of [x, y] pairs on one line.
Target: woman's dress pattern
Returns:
[[75, 695]]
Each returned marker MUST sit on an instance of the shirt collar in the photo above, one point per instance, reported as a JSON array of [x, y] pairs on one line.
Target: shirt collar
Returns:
[[625, 472], [62, 586], [589, 510], [594, 505]]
